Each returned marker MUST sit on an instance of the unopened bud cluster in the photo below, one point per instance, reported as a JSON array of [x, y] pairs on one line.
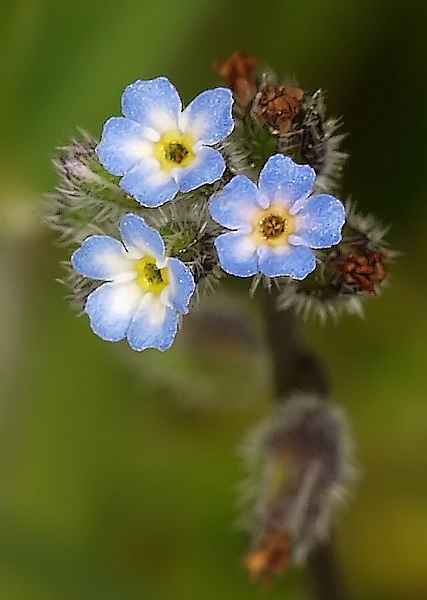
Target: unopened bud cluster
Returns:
[[299, 465]]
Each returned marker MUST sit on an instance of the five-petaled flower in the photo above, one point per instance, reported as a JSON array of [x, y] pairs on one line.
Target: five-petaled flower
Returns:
[[275, 223], [145, 292], [158, 148]]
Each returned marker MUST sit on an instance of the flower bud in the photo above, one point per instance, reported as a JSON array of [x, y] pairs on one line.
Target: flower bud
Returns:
[[299, 465], [277, 106], [239, 72], [87, 199]]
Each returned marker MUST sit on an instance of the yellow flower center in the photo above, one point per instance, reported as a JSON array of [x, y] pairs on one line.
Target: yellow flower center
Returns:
[[273, 226], [174, 150], [149, 276]]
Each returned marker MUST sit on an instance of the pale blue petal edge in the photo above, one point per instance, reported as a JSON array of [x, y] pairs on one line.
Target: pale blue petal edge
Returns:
[[211, 111], [235, 204], [182, 285], [139, 236], [107, 325], [142, 184], [206, 168], [283, 179], [141, 99], [296, 262], [143, 334], [116, 133], [87, 260], [231, 260], [322, 218]]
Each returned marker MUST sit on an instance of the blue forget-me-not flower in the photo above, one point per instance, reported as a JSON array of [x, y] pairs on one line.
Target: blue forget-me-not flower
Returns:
[[144, 292], [275, 224], [158, 148]]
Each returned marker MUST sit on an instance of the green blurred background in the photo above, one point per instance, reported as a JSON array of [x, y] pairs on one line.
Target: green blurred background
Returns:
[[118, 471]]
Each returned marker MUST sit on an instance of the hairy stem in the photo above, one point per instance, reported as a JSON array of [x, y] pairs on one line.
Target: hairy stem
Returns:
[[297, 368]]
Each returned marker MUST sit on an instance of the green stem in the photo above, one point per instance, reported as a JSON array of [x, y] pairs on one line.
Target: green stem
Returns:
[[296, 368]]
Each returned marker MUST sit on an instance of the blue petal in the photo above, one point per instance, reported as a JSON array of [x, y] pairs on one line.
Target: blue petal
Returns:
[[154, 103], [111, 308], [150, 185], [282, 179], [237, 254], [182, 285], [236, 204], [207, 167], [117, 150], [101, 257], [321, 219], [154, 325], [139, 238], [209, 116], [292, 261]]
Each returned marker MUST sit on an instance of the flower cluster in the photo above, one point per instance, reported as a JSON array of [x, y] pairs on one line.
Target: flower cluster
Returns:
[[157, 149], [240, 182], [237, 182]]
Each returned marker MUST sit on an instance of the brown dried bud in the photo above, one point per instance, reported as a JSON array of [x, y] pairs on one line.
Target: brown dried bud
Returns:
[[270, 559], [361, 270], [277, 105], [239, 71]]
